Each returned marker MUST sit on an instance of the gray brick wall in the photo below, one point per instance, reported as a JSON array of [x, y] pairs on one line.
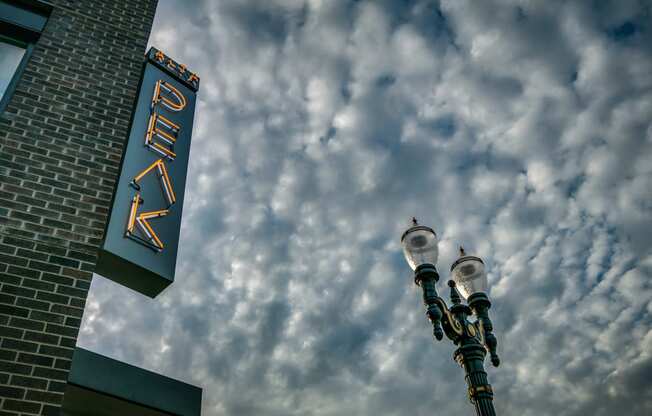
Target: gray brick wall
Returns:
[[61, 139]]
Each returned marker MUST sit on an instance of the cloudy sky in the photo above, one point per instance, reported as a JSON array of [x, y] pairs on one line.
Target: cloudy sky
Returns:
[[520, 129]]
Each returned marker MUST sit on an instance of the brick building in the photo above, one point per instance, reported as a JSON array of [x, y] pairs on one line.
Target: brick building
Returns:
[[64, 116]]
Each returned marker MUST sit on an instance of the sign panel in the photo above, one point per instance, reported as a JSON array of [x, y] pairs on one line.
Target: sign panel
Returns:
[[142, 233]]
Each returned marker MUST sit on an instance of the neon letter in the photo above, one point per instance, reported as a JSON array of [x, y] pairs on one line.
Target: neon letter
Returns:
[[168, 95], [164, 180], [147, 235], [159, 127]]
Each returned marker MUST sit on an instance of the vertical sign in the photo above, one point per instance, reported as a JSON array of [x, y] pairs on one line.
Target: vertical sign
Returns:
[[142, 233]]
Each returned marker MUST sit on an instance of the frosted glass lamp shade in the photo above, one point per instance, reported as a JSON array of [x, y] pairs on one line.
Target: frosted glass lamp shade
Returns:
[[420, 246], [469, 275]]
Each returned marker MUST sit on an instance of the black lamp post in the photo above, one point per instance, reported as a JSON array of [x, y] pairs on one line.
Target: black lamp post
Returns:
[[474, 339]]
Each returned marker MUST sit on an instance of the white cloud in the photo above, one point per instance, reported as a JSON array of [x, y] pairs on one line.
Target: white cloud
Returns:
[[519, 129]]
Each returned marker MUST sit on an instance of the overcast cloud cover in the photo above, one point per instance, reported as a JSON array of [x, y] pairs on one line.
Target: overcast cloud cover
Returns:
[[520, 129]]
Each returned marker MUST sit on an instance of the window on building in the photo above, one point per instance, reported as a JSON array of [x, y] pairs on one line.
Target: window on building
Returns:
[[21, 24], [11, 54]]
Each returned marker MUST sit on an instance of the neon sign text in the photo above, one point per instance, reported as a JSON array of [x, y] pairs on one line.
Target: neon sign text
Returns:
[[160, 137]]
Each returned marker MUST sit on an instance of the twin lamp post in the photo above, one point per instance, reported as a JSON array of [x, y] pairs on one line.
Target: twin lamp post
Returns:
[[469, 280]]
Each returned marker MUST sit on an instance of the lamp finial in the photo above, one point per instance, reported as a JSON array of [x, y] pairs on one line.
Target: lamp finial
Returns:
[[462, 252], [414, 221]]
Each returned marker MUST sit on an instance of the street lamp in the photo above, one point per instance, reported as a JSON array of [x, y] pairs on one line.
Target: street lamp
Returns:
[[474, 339]]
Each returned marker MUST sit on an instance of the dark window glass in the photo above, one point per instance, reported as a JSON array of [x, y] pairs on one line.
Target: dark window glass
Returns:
[[11, 54], [21, 24]]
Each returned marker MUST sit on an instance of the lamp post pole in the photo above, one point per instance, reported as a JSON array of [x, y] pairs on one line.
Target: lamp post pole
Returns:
[[473, 338]]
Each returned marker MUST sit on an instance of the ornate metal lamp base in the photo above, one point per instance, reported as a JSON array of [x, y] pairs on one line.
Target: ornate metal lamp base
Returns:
[[471, 358]]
